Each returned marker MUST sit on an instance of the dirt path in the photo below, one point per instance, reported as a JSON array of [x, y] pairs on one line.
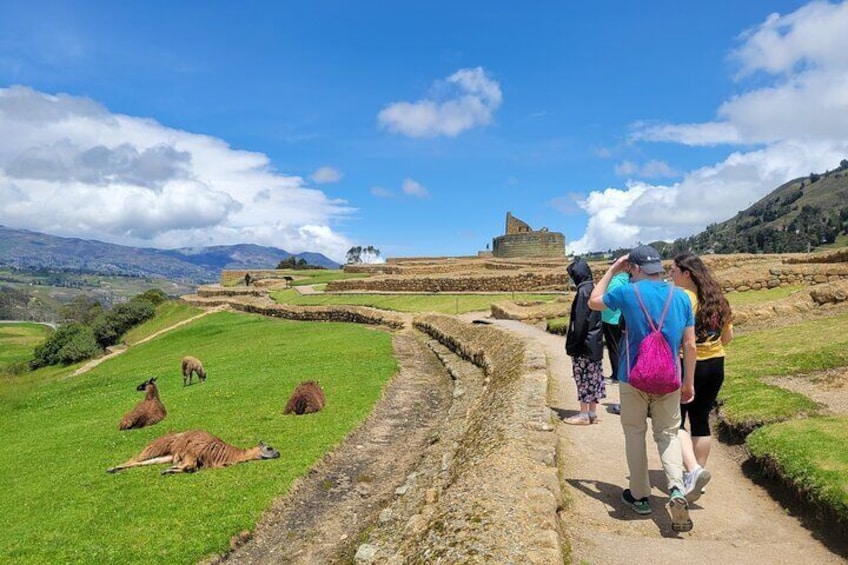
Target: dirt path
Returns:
[[736, 521]]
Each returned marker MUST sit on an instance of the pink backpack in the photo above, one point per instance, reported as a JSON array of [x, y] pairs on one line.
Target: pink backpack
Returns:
[[657, 370]]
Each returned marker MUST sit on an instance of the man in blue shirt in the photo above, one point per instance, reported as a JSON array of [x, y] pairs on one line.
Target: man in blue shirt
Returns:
[[645, 267]]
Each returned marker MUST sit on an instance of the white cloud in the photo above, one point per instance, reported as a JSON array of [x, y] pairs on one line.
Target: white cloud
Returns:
[[791, 121], [815, 35], [325, 175], [645, 212], [466, 99], [414, 188], [70, 167], [689, 134], [381, 192], [651, 169]]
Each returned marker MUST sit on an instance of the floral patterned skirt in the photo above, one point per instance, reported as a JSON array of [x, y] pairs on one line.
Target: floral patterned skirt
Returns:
[[589, 376]]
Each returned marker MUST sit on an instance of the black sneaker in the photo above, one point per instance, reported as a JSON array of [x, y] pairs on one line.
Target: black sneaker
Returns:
[[640, 506]]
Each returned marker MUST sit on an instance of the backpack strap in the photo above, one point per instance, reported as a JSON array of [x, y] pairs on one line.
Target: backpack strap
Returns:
[[650, 321], [659, 326]]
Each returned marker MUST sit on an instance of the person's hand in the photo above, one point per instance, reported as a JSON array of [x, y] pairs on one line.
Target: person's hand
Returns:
[[620, 264], [687, 394]]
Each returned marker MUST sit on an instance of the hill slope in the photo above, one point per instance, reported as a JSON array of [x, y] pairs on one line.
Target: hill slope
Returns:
[[27, 250], [796, 217]]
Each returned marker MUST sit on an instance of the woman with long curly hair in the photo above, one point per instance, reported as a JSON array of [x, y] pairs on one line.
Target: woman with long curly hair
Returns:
[[713, 330]]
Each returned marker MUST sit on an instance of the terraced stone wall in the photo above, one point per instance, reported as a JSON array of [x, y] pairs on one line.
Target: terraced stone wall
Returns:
[[554, 280]]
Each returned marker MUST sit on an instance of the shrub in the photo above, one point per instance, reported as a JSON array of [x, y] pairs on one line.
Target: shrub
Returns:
[[109, 327], [69, 344], [155, 296]]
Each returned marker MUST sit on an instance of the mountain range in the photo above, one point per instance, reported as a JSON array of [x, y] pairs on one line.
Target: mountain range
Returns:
[[32, 251]]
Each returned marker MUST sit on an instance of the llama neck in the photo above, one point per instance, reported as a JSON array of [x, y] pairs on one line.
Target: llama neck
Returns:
[[250, 454], [151, 393]]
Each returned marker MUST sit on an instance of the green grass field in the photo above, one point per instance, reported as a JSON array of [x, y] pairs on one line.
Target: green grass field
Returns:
[[168, 314], [17, 342], [790, 436], [440, 303], [60, 434], [320, 276], [788, 350], [812, 454]]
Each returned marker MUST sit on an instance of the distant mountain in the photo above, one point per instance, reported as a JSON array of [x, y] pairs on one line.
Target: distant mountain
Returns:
[[796, 217], [27, 250]]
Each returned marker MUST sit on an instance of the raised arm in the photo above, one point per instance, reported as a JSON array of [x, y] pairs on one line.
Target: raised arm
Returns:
[[596, 300]]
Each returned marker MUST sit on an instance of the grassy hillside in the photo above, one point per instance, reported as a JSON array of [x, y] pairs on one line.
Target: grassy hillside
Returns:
[[60, 434], [798, 216]]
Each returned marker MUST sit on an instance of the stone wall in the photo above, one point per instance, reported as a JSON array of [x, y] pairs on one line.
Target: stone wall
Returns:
[[532, 244], [267, 307], [551, 280], [514, 225], [503, 475], [838, 256], [788, 275]]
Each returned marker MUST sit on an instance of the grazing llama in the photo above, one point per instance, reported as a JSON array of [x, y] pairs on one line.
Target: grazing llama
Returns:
[[194, 450], [306, 399], [147, 412], [192, 365]]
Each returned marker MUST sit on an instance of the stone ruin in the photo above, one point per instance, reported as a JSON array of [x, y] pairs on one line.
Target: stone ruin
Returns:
[[521, 241]]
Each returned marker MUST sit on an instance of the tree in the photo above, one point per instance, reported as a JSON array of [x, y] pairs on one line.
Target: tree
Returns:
[[82, 309], [361, 254]]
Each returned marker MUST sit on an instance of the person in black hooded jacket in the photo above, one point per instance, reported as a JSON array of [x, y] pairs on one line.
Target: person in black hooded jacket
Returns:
[[583, 343]]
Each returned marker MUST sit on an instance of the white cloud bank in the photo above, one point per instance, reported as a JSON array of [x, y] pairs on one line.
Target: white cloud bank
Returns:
[[466, 99], [794, 122], [69, 167]]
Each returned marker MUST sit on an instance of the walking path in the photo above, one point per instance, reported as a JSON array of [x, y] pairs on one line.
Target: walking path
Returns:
[[736, 521]]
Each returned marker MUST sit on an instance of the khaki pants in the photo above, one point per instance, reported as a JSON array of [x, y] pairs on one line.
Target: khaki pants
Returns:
[[665, 421]]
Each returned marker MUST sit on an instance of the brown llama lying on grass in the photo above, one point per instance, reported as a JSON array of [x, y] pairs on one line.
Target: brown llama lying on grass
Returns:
[[306, 399], [192, 365], [193, 450], [147, 412]]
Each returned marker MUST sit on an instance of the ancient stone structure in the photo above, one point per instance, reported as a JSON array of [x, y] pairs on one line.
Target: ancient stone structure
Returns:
[[519, 240]]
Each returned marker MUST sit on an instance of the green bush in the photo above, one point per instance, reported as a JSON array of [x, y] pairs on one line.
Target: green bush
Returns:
[[69, 344], [109, 328], [155, 296]]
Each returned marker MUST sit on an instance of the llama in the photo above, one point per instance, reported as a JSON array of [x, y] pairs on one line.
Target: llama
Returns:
[[193, 450], [306, 399], [192, 365], [147, 412]]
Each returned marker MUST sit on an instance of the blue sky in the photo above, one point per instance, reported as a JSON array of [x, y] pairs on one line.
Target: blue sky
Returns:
[[410, 126]]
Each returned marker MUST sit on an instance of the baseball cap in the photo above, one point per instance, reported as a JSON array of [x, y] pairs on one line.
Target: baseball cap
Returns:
[[647, 258]]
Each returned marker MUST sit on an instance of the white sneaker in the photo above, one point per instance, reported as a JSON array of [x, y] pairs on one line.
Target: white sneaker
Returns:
[[694, 483]]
